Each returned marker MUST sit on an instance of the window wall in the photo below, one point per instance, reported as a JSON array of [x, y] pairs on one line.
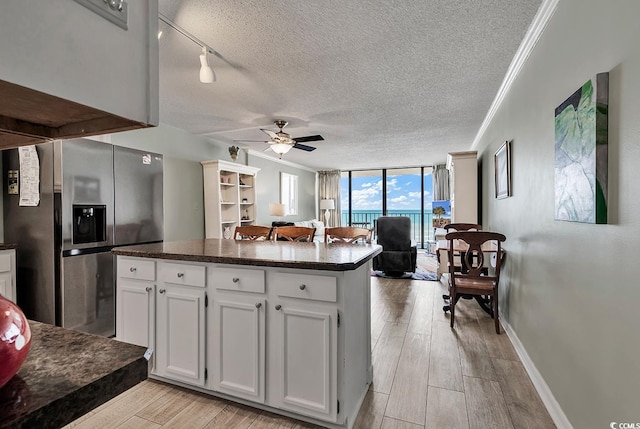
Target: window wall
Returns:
[[369, 194]]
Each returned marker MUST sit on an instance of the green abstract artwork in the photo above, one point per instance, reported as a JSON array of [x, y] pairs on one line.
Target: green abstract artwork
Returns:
[[581, 153]]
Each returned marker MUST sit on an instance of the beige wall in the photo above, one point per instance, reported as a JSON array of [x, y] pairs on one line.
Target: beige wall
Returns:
[[571, 291], [183, 181], [268, 189]]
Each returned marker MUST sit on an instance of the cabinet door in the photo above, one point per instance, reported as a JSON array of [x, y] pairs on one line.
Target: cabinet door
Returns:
[[135, 312], [7, 274], [305, 339], [237, 346], [180, 333], [6, 288]]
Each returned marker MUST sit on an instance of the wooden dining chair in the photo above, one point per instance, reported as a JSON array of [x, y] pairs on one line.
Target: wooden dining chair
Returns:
[[293, 233], [452, 227], [475, 281], [252, 232], [347, 234]]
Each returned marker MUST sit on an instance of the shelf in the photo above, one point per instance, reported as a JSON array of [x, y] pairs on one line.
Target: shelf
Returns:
[[226, 185]]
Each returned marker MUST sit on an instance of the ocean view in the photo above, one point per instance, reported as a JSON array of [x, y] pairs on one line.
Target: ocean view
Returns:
[[366, 219]]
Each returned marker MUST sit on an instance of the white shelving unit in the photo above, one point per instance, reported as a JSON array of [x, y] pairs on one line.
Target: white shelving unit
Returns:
[[463, 182], [229, 197]]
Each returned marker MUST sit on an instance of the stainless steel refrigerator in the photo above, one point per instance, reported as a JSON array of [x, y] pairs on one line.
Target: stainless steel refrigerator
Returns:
[[93, 196]]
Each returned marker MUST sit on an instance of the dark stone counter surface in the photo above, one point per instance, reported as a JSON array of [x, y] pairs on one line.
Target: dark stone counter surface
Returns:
[[311, 256], [8, 246], [66, 375]]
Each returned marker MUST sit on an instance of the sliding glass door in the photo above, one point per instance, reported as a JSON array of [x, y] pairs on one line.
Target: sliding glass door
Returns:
[[368, 194]]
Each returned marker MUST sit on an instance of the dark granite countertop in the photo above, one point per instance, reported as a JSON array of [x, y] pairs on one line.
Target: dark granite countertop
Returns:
[[313, 256], [67, 374], [7, 246]]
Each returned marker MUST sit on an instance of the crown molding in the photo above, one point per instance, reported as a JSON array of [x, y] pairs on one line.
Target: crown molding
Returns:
[[259, 154], [540, 21]]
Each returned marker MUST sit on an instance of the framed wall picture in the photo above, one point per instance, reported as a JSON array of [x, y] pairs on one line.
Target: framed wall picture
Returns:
[[502, 162], [582, 153]]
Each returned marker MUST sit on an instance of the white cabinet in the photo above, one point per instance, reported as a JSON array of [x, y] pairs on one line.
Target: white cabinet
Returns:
[[135, 306], [229, 197], [236, 333], [180, 323], [303, 339], [238, 346], [271, 336], [8, 274], [463, 183]]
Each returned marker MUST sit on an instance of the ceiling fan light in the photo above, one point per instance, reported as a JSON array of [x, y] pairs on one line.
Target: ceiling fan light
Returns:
[[281, 148], [206, 72]]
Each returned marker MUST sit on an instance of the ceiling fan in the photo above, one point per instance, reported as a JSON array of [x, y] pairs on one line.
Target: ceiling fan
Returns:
[[281, 142]]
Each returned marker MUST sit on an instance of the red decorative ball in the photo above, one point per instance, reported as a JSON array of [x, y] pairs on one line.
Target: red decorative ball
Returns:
[[15, 339]]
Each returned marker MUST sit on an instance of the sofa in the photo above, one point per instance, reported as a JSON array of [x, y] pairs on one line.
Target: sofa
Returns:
[[318, 235]]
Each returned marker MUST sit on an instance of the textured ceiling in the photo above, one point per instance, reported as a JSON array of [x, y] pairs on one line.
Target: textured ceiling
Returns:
[[386, 83]]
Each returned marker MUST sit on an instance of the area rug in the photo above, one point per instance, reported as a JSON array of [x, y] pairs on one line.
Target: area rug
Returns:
[[420, 274]]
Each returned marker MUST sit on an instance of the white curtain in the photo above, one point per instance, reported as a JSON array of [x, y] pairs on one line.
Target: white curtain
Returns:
[[440, 183], [329, 188]]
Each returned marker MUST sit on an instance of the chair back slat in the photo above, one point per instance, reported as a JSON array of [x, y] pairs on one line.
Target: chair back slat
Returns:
[[252, 232], [347, 234], [462, 227], [475, 256], [293, 233]]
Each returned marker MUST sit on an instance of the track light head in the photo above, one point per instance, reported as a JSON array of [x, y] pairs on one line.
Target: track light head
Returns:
[[206, 72]]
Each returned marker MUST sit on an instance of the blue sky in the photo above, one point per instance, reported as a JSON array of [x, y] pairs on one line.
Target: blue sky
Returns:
[[403, 192]]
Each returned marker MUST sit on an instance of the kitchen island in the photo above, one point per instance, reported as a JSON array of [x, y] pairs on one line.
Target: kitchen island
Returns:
[[280, 326], [66, 375]]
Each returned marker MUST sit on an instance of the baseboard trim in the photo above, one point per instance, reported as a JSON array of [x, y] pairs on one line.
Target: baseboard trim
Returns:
[[553, 407]]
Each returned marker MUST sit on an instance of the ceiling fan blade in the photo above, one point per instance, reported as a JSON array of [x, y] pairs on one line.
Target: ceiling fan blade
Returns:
[[305, 139], [304, 147], [252, 141], [270, 133]]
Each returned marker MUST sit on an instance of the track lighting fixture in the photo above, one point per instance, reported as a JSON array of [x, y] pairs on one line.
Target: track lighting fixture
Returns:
[[207, 75], [206, 72]]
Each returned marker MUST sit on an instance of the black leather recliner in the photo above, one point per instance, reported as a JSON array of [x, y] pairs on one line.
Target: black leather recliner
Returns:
[[398, 253]]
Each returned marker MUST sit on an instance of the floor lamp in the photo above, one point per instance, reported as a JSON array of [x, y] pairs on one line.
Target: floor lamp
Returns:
[[327, 205]]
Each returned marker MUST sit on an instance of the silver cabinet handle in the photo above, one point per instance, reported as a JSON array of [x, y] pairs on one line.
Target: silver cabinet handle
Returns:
[[161, 291], [303, 287], [278, 307], [180, 275], [132, 269], [236, 280], [149, 289], [258, 304]]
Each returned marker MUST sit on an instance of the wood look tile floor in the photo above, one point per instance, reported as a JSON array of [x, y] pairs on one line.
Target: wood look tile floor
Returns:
[[425, 375]]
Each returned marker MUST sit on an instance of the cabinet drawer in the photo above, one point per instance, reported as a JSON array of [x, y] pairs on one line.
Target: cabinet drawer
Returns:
[[238, 279], [139, 269], [183, 274], [320, 288]]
